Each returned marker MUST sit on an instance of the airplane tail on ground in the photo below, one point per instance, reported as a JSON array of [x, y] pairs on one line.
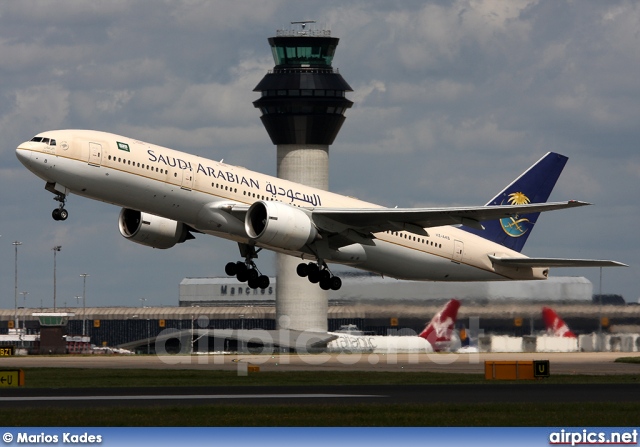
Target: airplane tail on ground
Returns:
[[440, 329], [555, 324], [533, 186]]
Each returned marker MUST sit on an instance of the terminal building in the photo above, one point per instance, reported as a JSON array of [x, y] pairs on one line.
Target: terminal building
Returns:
[[376, 305], [383, 292]]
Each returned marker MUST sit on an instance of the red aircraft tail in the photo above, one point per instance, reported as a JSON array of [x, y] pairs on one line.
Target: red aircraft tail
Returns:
[[438, 331], [554, 324]]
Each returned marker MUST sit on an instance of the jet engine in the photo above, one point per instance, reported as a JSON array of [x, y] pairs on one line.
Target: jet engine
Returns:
[[279, 225], [150, 230]]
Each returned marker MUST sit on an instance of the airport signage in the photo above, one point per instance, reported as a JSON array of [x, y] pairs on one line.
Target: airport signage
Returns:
[[7, 351], [11, 378], [541, 368]]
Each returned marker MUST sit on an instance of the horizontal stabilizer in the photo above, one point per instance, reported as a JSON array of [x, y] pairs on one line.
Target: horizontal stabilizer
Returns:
[[554, 262]]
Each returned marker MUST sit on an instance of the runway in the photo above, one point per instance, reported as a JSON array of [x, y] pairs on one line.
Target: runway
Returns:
[[560, 363], [590, 363], [321, 395]]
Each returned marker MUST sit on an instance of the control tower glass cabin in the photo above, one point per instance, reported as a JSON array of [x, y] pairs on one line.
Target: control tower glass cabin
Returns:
[[303, 97]]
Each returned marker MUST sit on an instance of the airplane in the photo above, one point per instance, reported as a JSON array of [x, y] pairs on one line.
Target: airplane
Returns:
[[166, 196], [555, 325], [436, 337]]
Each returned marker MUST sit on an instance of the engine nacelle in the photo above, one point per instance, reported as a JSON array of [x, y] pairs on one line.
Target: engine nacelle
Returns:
[[279, 225], [150, 230]]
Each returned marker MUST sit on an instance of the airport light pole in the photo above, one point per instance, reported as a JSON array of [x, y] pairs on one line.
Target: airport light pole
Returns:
[[24, 305], [142, 300], [15, 316], [600, 341], [84, 301], [55, 250], [24, 299]]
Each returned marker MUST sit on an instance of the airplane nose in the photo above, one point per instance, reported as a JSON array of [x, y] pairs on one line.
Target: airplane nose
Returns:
[[24, 155]]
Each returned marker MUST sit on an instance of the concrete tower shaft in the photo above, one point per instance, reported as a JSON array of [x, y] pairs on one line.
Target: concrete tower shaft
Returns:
[[303, 104]]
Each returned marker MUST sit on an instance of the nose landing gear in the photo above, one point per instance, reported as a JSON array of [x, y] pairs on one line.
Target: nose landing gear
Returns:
[[61, 193], [60, 213]]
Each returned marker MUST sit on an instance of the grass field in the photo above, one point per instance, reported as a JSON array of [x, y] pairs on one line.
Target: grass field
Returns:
[[427, 414]]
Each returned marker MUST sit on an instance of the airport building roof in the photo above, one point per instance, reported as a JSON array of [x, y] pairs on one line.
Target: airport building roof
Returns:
[[371, 288]]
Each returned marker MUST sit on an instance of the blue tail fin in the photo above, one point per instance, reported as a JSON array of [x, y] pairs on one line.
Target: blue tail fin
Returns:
[[534, 186]]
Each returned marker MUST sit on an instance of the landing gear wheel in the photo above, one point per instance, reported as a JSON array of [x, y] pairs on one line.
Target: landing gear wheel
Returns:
[[302, 270], [263, 282], [253, 275], [231, 269], [325, 283], [56, 214], [243, 275], [336, 283], [63, 214], [314, 277]]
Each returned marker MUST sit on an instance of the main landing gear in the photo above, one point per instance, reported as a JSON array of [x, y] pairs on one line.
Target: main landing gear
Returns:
[[247, 271], [60, 213], [319, 273]]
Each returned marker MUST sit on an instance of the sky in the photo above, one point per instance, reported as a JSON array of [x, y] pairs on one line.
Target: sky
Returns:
[[452, 101]]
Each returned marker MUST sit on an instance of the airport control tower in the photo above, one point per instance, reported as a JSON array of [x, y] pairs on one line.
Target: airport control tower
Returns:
[[303, 104]]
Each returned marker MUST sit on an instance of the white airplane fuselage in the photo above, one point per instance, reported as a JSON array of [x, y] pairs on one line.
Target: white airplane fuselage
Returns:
[[378, 344], [197, 192]]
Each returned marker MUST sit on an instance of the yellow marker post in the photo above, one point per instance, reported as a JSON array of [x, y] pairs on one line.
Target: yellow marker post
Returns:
[[11, 378]]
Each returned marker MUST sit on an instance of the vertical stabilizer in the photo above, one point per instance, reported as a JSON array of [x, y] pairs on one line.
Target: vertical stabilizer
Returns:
[[554, 324], [439, 330], [533, 186]]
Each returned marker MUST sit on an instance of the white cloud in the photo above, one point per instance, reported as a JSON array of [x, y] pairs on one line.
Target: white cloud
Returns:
[[451, 100]]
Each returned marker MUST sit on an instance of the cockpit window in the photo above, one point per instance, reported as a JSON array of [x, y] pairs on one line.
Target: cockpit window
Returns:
[[44, 140]]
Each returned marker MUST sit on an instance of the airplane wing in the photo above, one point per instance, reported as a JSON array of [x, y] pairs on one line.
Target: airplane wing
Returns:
[[349, 225], [414, 220], [554, 262]]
